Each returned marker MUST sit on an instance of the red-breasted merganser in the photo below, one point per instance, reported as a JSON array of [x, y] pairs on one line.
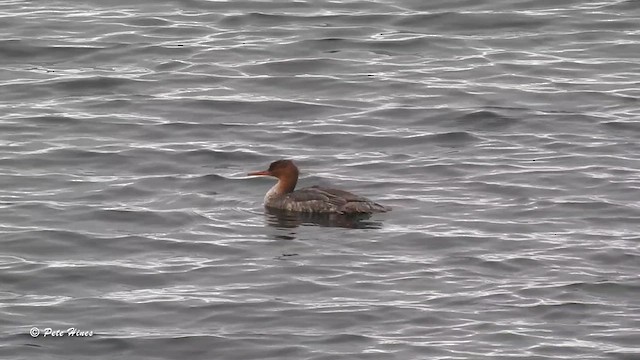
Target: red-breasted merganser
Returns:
[[312, 199]]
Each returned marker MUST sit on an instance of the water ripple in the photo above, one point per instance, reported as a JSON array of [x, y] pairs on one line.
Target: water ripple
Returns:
[[503, 135]]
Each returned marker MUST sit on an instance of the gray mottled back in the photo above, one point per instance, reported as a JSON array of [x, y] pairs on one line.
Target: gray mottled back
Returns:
[[325, 200]]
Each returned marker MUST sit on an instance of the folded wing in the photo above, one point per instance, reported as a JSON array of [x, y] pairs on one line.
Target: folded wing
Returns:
[[319, 199]]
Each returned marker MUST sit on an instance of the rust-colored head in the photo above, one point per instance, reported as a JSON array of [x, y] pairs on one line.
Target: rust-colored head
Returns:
[[280, 169], [286, 172]]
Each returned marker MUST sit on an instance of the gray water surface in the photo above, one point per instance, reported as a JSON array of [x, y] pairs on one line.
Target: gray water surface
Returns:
[[503, 133]]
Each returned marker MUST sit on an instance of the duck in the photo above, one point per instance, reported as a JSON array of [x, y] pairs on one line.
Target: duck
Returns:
[[314, 199]]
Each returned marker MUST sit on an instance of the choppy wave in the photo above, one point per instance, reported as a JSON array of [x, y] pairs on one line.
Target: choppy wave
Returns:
[[504, 135]]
